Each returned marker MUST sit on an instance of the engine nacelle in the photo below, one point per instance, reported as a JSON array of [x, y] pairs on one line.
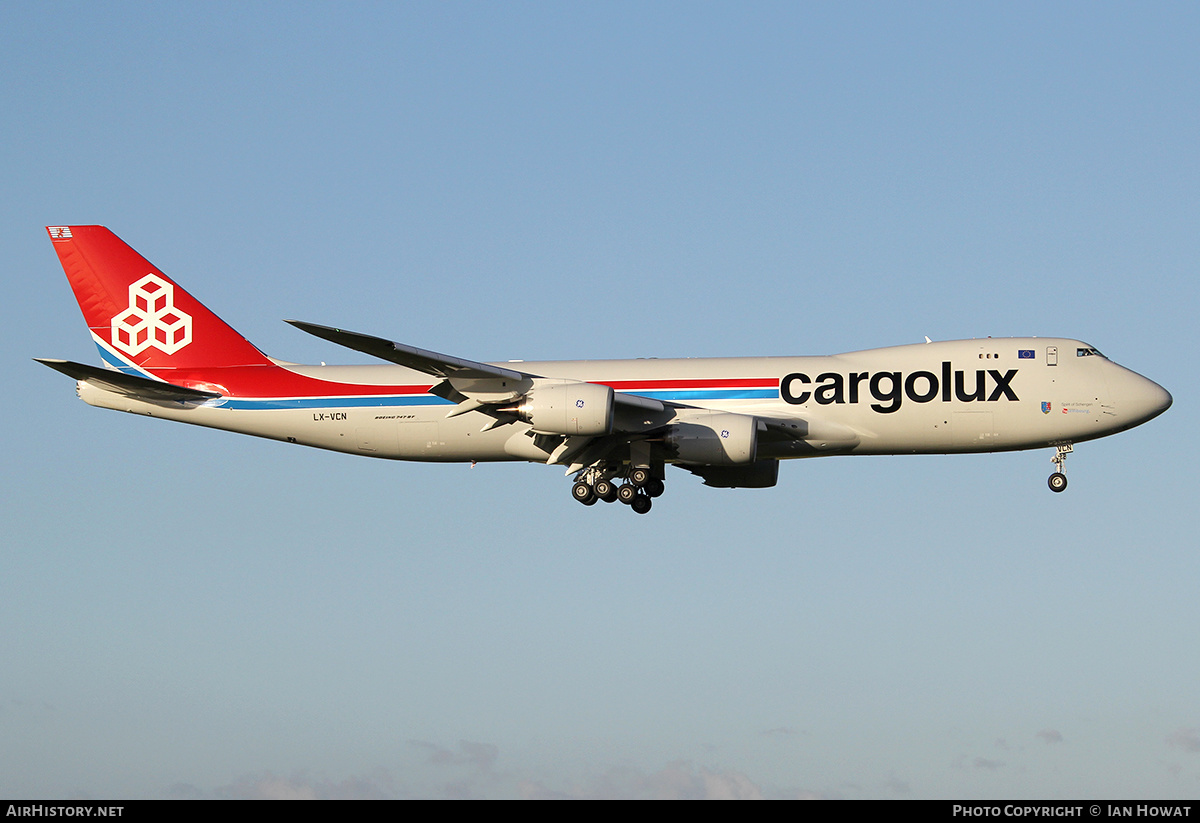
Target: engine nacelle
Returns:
[[714, 439], [762, 474], [568, 407]]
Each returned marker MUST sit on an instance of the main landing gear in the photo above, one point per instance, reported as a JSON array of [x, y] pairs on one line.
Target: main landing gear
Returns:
[[1058, 480], [637, 492]]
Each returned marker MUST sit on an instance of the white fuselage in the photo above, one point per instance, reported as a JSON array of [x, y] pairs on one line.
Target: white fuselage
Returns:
[[957, 396]]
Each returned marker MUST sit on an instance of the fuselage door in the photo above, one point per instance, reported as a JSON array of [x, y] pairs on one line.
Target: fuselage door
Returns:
[[1052, 355]]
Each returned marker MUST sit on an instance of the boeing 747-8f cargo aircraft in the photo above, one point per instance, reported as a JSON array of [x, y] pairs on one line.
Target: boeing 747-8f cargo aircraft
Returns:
[[614, 424]]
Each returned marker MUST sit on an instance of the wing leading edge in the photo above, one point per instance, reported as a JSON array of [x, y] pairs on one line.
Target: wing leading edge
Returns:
[[474, 384]]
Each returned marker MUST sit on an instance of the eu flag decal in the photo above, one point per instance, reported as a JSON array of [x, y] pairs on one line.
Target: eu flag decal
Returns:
[[1024, 354]]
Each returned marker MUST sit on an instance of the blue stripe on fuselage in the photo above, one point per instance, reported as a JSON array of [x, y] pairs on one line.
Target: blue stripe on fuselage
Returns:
[[334, 402], [432, 400]]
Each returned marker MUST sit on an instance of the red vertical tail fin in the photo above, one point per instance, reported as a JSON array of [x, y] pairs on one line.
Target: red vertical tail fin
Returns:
[[138, 316]]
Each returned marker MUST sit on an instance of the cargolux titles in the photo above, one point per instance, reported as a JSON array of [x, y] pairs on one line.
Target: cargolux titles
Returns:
[[890, 388]]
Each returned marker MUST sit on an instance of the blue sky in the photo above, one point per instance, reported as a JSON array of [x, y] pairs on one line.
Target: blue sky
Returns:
[[187, 613]]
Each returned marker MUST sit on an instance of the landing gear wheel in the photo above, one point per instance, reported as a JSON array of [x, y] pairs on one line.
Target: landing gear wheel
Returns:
[[627, 493], [583, 493], [606, 491], [640, 504], [640, 477], [654, 487], [1058, 480]]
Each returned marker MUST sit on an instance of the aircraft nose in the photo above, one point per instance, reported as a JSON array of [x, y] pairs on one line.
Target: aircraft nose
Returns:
[[1142, 399], [1157, 398]]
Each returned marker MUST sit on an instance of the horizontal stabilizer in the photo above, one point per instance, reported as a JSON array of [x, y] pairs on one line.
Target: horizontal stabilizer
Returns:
[[130, 385], [422, 360]]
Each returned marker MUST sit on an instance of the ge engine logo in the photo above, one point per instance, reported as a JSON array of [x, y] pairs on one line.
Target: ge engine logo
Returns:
[[151, 319]]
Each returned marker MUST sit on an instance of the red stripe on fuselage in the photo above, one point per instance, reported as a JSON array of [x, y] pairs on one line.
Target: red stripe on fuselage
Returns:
[[276, 381], [650, 385]]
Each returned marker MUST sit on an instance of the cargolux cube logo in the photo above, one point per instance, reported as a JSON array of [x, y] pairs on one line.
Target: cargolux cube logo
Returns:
[[151, 319]]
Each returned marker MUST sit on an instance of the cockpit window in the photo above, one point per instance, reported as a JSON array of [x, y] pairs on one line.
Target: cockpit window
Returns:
[[1087, 351]]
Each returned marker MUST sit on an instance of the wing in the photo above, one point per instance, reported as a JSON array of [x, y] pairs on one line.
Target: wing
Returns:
[[615, 427], [621, 426], [430, 362], [793, 435], [480, 386]]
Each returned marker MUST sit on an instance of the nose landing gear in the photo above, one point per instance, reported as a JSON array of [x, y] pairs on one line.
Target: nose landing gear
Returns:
[[1058, 480]]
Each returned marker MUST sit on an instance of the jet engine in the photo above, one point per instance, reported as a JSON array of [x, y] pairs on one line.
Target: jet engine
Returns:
[[567, 407], [714, 438]]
